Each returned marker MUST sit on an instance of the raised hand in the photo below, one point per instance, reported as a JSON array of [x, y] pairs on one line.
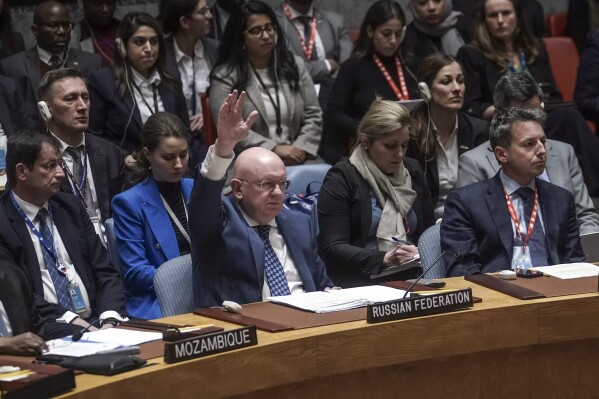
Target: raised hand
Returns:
[[231, 127]]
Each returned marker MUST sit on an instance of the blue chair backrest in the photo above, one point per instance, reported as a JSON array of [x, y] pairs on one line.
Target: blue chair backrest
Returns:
[[307, 179], [173, 286], [429, 247]]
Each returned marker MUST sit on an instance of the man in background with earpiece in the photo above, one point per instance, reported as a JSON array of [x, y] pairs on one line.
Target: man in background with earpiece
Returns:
[[562, 166], [52, 29], [94, 168]]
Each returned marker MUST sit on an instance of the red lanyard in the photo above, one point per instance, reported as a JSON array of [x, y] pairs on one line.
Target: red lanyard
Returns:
[[533, 216], [310, 47], [402, 80]]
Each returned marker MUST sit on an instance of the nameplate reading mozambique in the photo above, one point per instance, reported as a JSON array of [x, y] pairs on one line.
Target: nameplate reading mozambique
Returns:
[[209, 344], [419, 306]]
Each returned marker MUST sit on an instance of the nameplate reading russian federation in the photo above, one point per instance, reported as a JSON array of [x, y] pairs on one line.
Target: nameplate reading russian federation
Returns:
[[209, 344], [419, 306]]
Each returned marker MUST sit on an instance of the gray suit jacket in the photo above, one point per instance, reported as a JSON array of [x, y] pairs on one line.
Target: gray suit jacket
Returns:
[[333, 33], [24, 68], [304, 116], [562, 167]]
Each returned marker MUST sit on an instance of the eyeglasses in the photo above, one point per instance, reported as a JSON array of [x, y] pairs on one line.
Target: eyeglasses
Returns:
[[51, 166], [57, 25], [257, 31], [270, 185]]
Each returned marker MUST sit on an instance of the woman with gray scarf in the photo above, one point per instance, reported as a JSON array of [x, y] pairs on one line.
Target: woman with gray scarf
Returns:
[[436, 28]]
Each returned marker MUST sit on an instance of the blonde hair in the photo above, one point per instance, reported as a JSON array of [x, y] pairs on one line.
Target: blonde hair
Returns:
[[383, 118]]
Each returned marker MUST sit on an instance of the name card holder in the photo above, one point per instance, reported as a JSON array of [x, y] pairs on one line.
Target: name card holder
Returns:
[[422, 305], [209, 344]]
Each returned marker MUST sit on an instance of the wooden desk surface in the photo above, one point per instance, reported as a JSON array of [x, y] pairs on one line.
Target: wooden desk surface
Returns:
[[502, 347]]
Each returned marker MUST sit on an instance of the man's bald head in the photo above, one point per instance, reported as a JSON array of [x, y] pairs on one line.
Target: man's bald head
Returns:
[[44, 8], [256, 160]]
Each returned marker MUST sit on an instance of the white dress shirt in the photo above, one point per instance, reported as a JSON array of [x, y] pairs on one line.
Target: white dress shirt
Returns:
[[194, 73], [143, 92]]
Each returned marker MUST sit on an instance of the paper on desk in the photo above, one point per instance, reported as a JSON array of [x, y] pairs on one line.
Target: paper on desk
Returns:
[[120, 336], [570, 270], [66, 347], [336, 300]]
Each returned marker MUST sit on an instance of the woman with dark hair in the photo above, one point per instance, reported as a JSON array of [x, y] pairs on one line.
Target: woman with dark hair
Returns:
[[373, 207], [376, 68], [440, 131], [150, 219], [253, 57], [11, 42], [138, 85]]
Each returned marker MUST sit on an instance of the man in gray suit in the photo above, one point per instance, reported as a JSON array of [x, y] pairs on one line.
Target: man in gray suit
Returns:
[[562, 168], [52, 29]]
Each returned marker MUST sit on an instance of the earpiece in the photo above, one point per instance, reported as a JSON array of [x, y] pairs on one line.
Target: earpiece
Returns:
[[276, 38], [424, 92], [120, 46], [44, 111]]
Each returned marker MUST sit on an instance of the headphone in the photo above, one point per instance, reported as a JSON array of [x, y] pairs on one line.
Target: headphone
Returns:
[[402, 35], [424, 92], [120, 46], [44, 111]]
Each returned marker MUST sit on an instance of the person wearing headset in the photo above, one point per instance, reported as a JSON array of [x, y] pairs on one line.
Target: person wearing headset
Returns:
[[377, 68], [440, 131], [138, 85], [254, 58]]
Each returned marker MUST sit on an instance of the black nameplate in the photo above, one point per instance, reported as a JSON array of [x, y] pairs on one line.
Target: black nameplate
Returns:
[[210, 344], [422, 305]]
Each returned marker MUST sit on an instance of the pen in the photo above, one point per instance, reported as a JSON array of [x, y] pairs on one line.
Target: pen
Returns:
[[397, 240]]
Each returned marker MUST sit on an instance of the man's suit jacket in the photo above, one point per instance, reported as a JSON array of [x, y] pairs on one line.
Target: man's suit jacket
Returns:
[[110, 112], [333, 33], [210, 54], [228, 254], [562, 167], [101, 280], [586, 92], [477, 224], [13, 115], [24, 68], [304, 116], [145, 240], [108, 171]]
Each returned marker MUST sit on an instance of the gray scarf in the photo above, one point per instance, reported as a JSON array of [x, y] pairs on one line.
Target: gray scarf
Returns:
[[451, 40]]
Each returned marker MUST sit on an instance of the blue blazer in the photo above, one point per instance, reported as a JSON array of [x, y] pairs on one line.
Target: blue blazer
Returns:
[[476, 222], [145, 240], [228, 255]]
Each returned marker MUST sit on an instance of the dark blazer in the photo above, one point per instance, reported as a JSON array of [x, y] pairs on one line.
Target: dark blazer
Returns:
[[422, 45], [472, 132], [13, 115], [108, 170], [110, 112], [101, 280], [481, 76], [145, 240], [345, 215], [24, 68], [228, 255], [477, 223], [210, 53], [586, 92]]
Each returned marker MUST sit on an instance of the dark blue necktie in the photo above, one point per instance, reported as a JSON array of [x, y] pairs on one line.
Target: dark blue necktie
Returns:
[[536, 245], [275, 276], [59, 280]]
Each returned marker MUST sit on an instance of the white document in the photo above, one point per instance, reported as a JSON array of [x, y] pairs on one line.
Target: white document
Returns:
[[120, 337], [570, 270], [336, 300], [66, 347]]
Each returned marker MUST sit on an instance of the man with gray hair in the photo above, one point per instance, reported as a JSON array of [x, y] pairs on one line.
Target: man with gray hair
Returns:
[[514, 220]]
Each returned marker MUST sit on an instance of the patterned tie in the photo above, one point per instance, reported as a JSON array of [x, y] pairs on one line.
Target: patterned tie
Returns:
[[59, 279], [307, 22], [75, 153], [54, 62], [274, 271], [536, 245]]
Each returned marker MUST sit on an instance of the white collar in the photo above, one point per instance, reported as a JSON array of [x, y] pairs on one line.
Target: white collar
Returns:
[[30, 210], [140, 80], [46, 55], [64, 146], [294, 13], [251, 222], [511, 185], [198, 50]]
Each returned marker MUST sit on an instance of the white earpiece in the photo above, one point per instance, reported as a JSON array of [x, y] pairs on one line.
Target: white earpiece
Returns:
[[120, 46], [44, 111], [424, 92]]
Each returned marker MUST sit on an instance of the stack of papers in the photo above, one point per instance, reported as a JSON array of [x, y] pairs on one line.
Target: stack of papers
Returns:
[[336, 300], [570, 270]]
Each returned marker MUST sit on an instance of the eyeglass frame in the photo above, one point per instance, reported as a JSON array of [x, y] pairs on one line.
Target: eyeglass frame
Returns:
[[55, 26], [264, 28], [286, 184]]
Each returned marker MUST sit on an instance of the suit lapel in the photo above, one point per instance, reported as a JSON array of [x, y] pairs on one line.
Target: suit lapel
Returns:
[[129, 102], [32, 69], [155, 211], [549, 214], [464, 135], [256, 243], [290, 235], [499, 213], [68, 235], [97, 161]]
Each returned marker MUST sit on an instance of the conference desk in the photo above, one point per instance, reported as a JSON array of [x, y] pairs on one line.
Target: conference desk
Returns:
[[500, 348]]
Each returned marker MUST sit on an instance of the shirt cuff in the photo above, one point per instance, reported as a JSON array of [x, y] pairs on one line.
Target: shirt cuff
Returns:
[[67, 317], [214, 167], [111, 314]]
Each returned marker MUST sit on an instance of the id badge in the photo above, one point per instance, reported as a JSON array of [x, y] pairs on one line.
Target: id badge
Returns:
[[76, 298], [521, 257]]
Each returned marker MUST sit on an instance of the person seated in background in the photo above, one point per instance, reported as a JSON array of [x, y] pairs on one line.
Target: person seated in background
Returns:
[[11, 42], [151, 218], [561, 169], [586, 92], [253, 57], [13, 115], [221, 11], [48, 234], [138, 85], [96, 32], [377, 68], [317, 36], [583, 17], [247, 247], [436, 27], [513, 220], [373, 206], [440, 132], [52, 30]]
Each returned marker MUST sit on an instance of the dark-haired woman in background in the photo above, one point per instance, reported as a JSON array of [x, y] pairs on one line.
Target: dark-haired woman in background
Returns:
[[376, 68], [150, 219], [138, 85], [253, 57]]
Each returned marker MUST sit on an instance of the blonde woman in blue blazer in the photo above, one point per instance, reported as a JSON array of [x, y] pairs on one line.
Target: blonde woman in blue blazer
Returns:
[[150, 219]]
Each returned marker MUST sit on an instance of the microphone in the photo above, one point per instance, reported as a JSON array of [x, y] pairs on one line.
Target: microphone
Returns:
[[455, 253], [79, 334]]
